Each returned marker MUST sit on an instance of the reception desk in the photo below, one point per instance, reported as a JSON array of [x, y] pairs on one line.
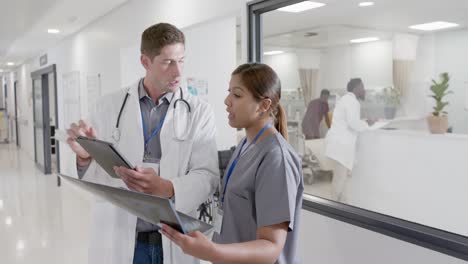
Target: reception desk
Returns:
[[413, 175]]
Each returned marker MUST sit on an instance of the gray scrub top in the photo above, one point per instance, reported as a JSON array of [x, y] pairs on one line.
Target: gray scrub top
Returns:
[[264, 189]]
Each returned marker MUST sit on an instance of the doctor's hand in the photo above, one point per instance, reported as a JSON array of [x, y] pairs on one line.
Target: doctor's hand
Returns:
[[81, 129], [145, 180], [195, 243]]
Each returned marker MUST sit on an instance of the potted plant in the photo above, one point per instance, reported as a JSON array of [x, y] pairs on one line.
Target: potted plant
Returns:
[[438, 121], [391, 98]]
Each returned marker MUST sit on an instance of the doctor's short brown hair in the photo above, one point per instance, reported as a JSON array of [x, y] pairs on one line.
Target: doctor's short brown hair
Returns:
[[156, 37]]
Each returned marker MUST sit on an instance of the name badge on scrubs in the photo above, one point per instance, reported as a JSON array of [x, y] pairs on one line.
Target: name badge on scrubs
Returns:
[[218, 220], [218, 212]]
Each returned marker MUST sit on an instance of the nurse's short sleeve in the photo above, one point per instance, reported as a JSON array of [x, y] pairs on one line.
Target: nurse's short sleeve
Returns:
[[276, 188]]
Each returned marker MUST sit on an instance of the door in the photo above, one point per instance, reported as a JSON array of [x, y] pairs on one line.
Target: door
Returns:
[[46, 149], [53, 121], [16, 115], [41, 123]]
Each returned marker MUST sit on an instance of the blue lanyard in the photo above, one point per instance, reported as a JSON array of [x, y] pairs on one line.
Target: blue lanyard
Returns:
[[147, 139], [239, 154]]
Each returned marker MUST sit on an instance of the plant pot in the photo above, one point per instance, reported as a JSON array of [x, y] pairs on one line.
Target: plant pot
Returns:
[[390, 112], [437, 124]]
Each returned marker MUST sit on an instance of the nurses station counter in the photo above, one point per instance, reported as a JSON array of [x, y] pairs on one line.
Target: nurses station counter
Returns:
[[413, 175]]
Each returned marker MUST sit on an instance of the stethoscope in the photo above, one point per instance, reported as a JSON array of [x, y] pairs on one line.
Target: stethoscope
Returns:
[[177, 136]]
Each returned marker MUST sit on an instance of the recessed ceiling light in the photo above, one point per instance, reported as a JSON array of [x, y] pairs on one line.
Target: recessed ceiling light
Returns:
[[302, 6], [434, 26], [10, 63], [53, 31], [363, 4], [361, 40], [20, 245], [1, 202], [8, 221], [273, 52]]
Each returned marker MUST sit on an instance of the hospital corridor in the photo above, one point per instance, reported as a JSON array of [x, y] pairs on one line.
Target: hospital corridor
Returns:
[[233, 131]]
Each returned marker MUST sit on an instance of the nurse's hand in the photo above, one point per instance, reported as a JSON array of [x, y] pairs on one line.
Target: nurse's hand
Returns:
[[145, 180], [195, 244], [81, 129]]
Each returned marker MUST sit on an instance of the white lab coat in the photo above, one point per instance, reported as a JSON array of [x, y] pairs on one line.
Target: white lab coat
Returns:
[[340, 142], [191, 165]]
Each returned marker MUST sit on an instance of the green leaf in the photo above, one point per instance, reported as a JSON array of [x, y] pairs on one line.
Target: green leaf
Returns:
[[439, 91]]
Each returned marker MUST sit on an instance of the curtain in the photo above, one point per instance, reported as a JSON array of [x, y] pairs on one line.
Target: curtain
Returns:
[[308, 79], [402, 71]]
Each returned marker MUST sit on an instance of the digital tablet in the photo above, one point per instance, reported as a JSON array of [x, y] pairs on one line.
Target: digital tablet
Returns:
[[105, 154], [150, 208]]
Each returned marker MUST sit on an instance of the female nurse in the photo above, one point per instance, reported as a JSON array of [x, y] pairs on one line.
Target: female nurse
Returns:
[[261, 196]]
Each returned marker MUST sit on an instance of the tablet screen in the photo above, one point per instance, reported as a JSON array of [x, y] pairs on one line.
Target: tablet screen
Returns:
[[105, 154]]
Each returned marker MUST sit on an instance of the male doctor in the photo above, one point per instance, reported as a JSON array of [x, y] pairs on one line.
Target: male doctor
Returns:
[[340, 142], [169, 133]]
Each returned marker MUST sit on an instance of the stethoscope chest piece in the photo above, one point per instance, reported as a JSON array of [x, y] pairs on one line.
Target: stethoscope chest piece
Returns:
[[116, 134]]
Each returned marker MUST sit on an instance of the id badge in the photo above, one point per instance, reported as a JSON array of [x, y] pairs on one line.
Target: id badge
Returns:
[[151, 163], [218, 220]]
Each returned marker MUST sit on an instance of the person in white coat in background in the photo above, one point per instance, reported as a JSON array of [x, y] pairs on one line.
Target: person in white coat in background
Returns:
[[170, 134], [340, 142]]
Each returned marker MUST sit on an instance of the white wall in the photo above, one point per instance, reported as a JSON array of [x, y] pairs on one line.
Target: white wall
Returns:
[[324, 240], [212, 57], [286, 65], [308, 58], [372, 62], [416, 101], [25, 110]]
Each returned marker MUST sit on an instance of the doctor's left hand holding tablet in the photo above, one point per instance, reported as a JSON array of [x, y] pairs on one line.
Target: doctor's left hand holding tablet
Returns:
[[146, 180]]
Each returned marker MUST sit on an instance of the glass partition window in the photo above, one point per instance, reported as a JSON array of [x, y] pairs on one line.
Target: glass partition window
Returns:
[[357, 86]]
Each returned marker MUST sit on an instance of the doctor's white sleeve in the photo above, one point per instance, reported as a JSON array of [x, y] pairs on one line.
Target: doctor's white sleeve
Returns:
[[195, 187], [353, 117]]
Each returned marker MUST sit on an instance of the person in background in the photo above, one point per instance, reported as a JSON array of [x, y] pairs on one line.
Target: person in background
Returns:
[[340, 142], [261, 197], [316, 111]]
